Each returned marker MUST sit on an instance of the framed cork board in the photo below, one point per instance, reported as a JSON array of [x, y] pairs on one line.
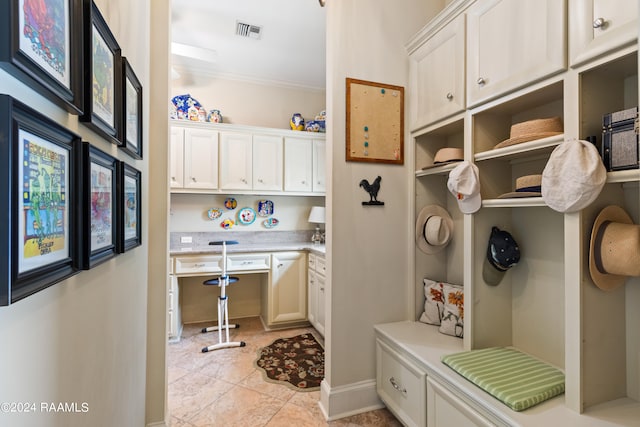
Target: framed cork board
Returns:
[[375, 122]]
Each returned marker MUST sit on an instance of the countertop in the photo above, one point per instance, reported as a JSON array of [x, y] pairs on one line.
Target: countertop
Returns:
[[247, 242]]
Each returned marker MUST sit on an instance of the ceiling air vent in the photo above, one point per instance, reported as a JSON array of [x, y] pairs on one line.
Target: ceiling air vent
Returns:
[[248, 30]]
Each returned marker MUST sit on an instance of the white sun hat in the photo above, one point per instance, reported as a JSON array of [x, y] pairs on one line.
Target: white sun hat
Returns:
[[573, 177], [464, 184]]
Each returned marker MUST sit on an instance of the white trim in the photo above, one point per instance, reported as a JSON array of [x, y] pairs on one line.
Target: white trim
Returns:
[[347, 400]]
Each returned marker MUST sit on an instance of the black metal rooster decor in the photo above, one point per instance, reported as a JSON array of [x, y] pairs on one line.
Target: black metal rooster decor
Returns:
[[372, 189]]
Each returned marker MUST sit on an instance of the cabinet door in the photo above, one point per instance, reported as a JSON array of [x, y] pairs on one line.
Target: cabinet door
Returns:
[[312, 291], [174, 309], [236, 161], [201, 158], [287, 290], [298, 164], [267, 162], [437, 75], [511, 44], [176, 161], [319, 171], [321, 304], [444, 409], [600, 26]]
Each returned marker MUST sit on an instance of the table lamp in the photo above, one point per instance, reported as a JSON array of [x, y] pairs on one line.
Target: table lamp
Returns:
[[317, 216]]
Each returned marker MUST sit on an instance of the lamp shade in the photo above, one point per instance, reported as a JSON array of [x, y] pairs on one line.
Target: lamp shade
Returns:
[[317, 214]]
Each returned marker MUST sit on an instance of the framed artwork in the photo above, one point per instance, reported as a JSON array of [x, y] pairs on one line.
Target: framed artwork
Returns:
[[131, 137], [103, 76], [375, 122], [130, 207], [99, 182], [38, 200], [39, 46]]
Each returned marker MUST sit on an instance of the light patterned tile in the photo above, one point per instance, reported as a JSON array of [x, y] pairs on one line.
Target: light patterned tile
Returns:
[[256, 382], [294, 415], [193, 392], [240, 407], [377, 418]]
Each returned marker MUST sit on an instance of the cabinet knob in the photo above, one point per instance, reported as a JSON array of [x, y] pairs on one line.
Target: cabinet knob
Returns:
[[481, 81], [599, 23], [260, 180], [280, 265], [193, 179], [243, 180], [449, 96], [397, 386]]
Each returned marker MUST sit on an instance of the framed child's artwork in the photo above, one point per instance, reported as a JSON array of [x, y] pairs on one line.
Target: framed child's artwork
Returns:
[[39, 45], [99, 205], [130, 207], [131, 137], [38, 200], [103, 76], [375, 122]]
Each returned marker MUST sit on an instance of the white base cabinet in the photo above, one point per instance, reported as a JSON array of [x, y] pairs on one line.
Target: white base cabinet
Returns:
[[284, 297], [445, 409], [317, 303]]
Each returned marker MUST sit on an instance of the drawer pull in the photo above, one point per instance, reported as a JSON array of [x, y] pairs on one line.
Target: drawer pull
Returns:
[[397, 386], [599, 23], [449, 96], [199, 265], [481, 81]]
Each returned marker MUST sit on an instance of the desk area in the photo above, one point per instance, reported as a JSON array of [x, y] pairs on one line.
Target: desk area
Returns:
[[273, 285]]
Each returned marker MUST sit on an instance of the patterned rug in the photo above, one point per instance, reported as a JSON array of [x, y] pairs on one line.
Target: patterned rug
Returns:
[[297, 362]]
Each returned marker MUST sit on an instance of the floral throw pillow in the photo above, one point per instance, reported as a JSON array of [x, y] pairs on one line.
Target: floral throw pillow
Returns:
[[433, 302], [452, 320]]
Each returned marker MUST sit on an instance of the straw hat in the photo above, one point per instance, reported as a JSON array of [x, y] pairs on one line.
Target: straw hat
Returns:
[[526, 186], [532, 129], [434, 229], [446, 155], [614, 249]]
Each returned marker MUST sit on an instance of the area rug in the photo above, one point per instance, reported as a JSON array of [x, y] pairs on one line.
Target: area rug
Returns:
[[296, 362]]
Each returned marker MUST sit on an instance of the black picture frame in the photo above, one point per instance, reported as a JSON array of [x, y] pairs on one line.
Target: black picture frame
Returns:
[[44, 53], [131, 131], [102, 76], [98, 210], [38, 199], [129, 207]]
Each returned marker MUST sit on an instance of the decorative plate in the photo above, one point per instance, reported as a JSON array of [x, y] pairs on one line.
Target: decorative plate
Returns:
[[188, 108], [230, 203], [270, 222], [246, 216], [265, 207], [227, 223], [214, 213]]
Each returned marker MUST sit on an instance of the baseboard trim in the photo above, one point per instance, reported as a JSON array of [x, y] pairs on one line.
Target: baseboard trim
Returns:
[[347, 400]]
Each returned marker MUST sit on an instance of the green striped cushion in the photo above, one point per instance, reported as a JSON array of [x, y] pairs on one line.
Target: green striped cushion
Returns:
[[516, 379]]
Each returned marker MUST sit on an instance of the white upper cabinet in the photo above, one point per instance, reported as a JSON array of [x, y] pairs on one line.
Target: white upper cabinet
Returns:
[[600, 26], [176, 167], [298, 164], [194, 159], [437, 75], [267, 162], [512, 44], [236, 161], [319, 166]]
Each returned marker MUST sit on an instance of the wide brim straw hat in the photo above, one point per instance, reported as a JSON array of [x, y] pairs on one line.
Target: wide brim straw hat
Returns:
[[526, 186], [434, 229], [445, 156], [614, 248], [532, 130]]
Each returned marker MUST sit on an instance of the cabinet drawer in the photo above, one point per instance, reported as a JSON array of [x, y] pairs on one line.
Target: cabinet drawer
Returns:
[[320, 266], [445, 409], [311, 262], [247, 262], [203, 264], [401, 385]]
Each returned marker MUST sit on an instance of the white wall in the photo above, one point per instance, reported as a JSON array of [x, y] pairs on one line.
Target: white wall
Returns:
[[189, 212], [84, 339], [250, 103], [367, 246]]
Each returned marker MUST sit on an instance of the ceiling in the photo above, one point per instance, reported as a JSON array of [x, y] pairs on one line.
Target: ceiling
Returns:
[[290, 49]]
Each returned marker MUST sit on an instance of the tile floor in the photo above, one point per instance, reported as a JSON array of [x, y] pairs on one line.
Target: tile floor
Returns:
[[224, 388]]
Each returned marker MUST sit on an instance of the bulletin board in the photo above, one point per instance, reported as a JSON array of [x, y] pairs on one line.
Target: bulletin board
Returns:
[[375, 122]]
